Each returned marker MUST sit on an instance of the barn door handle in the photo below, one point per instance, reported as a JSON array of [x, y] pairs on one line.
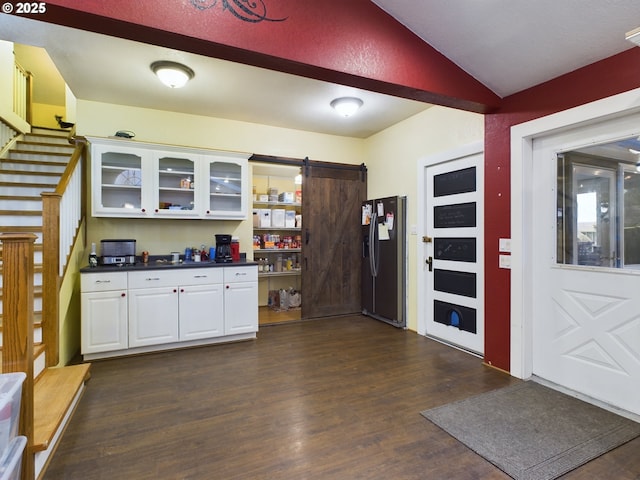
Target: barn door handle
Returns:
[[307, 236]]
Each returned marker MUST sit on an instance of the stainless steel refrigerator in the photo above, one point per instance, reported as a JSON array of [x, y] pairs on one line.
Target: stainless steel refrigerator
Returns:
[[384, 260]]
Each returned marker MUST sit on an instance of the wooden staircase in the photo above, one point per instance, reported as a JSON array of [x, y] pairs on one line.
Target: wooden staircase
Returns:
[[32, 166]]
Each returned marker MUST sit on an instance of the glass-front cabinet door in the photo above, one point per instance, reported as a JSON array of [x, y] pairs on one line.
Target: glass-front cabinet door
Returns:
[[119, 184], [227, 187], [176, 184]]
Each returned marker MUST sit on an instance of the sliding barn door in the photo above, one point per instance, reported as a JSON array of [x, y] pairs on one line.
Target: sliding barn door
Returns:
[[331, 200]]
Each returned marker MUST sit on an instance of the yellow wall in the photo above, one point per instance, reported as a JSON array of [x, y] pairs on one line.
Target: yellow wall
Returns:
[[392, 158], [160, 237], [44, 115], [69, 312]]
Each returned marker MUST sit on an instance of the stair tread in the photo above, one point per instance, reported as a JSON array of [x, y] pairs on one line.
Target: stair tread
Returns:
[[38, 152], [54, 392], [28, 172]]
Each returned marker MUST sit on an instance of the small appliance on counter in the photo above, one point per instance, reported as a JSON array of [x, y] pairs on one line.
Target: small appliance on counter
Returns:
[[223, 249], [117, 252]]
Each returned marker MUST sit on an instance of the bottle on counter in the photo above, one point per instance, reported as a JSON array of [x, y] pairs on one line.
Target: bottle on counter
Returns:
[[93, 256]]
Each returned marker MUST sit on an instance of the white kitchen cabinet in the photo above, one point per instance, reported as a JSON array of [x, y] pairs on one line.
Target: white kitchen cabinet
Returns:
[[146, 180], [240, 300], [201, 311], [104, 312], [146, 310], [121, 181], [226, 187], [177, 179], [153, 316]]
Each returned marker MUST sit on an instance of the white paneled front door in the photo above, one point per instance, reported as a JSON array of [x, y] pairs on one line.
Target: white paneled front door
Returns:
[[586, 314]]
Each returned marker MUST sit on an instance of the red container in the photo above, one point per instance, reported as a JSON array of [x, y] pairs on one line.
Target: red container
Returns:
[[235, 250]]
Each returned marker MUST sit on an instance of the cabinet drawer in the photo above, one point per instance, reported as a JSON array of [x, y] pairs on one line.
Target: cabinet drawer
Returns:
[[241, 274], [199, 276], [102, 282], [152, 278]]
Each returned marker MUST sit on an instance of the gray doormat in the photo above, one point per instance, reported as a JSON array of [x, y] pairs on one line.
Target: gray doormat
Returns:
[[532, 432]]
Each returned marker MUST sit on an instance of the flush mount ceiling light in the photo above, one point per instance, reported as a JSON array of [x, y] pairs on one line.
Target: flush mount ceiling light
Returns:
[[172, 74], [346, 106], [633, 36]]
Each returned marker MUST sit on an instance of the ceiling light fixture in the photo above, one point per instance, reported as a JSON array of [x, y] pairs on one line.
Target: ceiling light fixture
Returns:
[[346, 106], [172, 74], [633, 36]]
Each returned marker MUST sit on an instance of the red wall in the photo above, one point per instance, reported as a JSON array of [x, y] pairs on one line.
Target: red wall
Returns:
[[350, 42], [355, 43], [614, 75]]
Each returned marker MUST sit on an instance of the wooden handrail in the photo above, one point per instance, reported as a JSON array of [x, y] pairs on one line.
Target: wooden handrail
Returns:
[[17, 313], [65, 178], [51, 257]]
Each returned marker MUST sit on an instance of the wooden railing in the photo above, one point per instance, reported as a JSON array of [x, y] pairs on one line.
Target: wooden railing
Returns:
[[7, 134], [17, 327], [62, 213], [22, 93]]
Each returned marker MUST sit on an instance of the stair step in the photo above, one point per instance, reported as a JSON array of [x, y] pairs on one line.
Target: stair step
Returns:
[[55, 395], [20, 177], [26, 189], [21, 202], [17, 166], [47, 138], [24, 145], [37, 156]]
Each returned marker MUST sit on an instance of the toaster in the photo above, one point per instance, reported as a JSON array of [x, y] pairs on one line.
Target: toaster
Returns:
[[118, 252]]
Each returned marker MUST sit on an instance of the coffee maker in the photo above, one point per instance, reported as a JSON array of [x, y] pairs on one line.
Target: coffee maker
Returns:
[[223, 249]]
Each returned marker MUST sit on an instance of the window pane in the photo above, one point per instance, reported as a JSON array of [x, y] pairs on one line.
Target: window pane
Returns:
[[598, 206]]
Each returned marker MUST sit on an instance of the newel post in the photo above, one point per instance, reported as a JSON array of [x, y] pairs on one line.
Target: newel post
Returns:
[[17, 326]]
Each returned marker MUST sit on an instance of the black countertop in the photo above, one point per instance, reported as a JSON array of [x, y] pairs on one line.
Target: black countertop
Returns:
[[162, 263]]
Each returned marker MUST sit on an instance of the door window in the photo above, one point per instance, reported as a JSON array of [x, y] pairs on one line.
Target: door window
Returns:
[[598, 206]]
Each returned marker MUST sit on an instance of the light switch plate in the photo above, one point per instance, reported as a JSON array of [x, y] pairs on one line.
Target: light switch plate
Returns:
[[504, 245], [505, 261]]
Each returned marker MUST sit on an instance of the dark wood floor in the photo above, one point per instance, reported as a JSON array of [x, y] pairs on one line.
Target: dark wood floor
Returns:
[[328, 399]]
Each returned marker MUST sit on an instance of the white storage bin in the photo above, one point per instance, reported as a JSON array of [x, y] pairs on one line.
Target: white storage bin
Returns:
[[265, 218], [290, 219], [11, 462], [10, 396], [277, 217]]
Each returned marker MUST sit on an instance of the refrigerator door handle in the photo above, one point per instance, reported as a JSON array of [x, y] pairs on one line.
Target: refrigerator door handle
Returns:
[[373, 244]]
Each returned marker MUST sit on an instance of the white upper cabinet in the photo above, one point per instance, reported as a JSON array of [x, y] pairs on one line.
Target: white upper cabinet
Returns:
[[121, 183], [176, 178], [133, 179], [226, 186]]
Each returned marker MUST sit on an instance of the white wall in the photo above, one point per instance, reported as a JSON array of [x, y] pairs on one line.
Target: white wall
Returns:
[[392, 161]]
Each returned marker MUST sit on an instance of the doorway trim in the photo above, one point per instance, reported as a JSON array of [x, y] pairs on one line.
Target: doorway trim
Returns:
[[429, 161], [522, 137]]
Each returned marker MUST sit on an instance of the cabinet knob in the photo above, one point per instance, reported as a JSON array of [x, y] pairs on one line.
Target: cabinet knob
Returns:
[[227, 287], [175, 290], [182, 290], [123, 294]]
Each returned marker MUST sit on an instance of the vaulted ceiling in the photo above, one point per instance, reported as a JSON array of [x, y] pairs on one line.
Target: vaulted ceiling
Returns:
[[507, 45]]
